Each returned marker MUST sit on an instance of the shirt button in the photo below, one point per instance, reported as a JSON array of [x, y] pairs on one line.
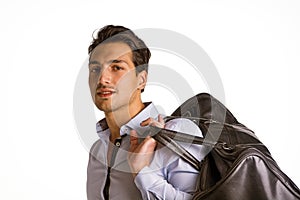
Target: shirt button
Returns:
[[118, 144]]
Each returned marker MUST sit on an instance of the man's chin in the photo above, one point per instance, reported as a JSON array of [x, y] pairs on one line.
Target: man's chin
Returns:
[[104, 108], [103, 104]]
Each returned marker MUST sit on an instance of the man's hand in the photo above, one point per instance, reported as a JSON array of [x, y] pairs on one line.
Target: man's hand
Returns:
[[141, 153], [150, 121]]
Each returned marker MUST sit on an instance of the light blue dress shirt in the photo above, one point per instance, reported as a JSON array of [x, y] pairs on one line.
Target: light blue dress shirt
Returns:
[[167, 177]]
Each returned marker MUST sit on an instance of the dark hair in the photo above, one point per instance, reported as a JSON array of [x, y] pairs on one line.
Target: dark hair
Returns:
[[140, 52]]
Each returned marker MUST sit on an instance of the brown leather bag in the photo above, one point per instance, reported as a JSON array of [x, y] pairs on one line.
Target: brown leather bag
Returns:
[[238, 166]]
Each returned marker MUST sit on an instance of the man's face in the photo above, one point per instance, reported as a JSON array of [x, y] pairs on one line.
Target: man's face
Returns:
[[112, 78]]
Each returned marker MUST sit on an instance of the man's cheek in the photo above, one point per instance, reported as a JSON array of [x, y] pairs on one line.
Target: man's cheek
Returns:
[[127, 89]]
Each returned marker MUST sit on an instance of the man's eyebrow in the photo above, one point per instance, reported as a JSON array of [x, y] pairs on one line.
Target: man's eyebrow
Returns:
[[118, 61], [94, 62]]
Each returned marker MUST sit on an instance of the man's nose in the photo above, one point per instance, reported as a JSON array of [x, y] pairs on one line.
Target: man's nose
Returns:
[[105, 76]]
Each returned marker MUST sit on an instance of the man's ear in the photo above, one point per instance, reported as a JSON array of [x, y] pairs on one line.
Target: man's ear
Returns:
[[142, 76]]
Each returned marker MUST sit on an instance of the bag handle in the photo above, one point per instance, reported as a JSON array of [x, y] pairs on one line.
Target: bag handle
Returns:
[[180, 137], [168, 138], [197, 120], [167, 141]]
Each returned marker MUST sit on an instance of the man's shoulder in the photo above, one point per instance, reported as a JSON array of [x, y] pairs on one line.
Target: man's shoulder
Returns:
[[96, 152], [96, 146]]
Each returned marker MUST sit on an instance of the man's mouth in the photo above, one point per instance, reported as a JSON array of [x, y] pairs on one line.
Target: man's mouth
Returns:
[[105, 94]]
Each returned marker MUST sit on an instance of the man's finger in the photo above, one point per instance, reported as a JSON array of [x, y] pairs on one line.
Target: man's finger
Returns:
[[147, 122], [149, 144], [134, 142], [150, 121], [161, 121]]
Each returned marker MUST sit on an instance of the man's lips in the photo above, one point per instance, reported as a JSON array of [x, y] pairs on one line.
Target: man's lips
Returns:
[[105, 93]]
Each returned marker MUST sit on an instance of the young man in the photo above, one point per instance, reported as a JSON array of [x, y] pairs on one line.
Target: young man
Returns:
[[125, 163]]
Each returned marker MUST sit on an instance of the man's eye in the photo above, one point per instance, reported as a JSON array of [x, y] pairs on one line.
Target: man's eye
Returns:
[[95, 70], [116, 68]]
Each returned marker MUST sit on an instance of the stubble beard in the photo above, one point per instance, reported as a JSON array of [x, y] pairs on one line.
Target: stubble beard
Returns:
[[110, 105]]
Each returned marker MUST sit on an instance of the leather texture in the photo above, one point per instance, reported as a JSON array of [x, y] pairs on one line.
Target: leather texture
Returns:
[[238, 166]]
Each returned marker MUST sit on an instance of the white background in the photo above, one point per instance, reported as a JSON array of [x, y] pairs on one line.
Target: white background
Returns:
[[255, 46]]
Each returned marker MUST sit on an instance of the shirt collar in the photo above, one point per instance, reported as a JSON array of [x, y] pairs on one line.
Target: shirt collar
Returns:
[[134, 124], [101, 125]]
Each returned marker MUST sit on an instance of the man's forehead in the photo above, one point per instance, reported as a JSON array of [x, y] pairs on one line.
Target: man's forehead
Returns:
[[111, 51]]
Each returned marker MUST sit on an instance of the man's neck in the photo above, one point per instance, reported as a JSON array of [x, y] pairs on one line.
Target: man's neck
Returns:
[[118, 118]]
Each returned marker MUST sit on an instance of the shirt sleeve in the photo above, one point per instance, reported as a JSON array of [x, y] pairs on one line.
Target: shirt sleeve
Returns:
[[168, 176]]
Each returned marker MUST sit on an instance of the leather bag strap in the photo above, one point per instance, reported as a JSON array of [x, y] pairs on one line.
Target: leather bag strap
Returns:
[[170, 139]]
